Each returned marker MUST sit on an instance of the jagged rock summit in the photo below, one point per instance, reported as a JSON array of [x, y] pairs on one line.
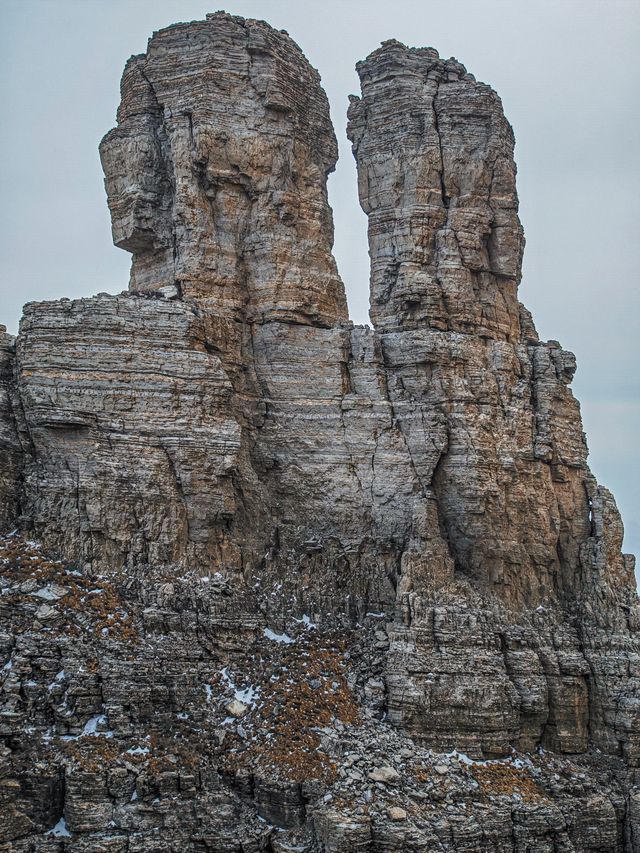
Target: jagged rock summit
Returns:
[[274, 582]]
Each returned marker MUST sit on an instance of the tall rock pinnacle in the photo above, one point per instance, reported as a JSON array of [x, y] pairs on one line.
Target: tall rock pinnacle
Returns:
[[273, 582], [436, 177], [216, 172]]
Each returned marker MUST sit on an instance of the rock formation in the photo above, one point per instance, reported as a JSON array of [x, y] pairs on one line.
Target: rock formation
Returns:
[[274, 582]]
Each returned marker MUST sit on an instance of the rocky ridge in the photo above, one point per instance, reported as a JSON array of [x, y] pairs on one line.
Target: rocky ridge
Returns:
[[274, 582]]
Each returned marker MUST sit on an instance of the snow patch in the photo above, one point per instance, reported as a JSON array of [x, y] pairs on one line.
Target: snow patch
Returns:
[[462, 757], [247, 695], [60, 829], [277, 638], [91, 728], [91, 725], [59, 677]]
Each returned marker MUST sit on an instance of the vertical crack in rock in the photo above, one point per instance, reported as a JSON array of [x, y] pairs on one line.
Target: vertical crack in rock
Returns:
[[274, 582], [443, 188]]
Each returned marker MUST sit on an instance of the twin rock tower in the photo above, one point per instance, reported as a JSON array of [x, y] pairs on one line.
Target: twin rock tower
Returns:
[[275, 582]]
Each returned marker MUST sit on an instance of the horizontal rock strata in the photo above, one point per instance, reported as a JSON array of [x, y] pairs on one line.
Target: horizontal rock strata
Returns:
[[274, 582]]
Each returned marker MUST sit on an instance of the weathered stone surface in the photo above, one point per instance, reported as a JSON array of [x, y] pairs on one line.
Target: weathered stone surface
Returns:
[[484, 406], [130, 417], [491, 427], [437, 179], [284, 584], [216, 172], [10, 447]]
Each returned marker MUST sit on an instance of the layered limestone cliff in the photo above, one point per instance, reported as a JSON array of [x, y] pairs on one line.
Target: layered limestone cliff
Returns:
[[274, 582]]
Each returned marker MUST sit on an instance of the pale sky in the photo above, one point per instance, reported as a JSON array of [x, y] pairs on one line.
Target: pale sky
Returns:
[[568, 72]]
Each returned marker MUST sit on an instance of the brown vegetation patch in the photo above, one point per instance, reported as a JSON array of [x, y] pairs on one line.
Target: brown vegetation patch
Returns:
[[498, 778], [91, 754], [87, 605], [301, 688]]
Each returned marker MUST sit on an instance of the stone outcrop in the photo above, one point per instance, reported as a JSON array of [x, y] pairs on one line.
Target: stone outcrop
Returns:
[[216, 172], [274, 582], [484, 404], [492, 427], [10, 447]]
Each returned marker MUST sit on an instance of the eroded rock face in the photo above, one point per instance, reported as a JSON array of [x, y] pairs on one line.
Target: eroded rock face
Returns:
[[437, 180], [464, 362], [492, 427], [132, 420], [302, 585], [10, 447], [216, 173]]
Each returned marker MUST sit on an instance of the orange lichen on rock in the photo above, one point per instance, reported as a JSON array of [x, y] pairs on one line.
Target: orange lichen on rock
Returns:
[[91, 754], [30, 577], [301, 689], [499, 778]]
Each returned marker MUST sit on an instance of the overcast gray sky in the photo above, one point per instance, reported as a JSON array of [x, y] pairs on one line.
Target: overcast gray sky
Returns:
[[568, 72]]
